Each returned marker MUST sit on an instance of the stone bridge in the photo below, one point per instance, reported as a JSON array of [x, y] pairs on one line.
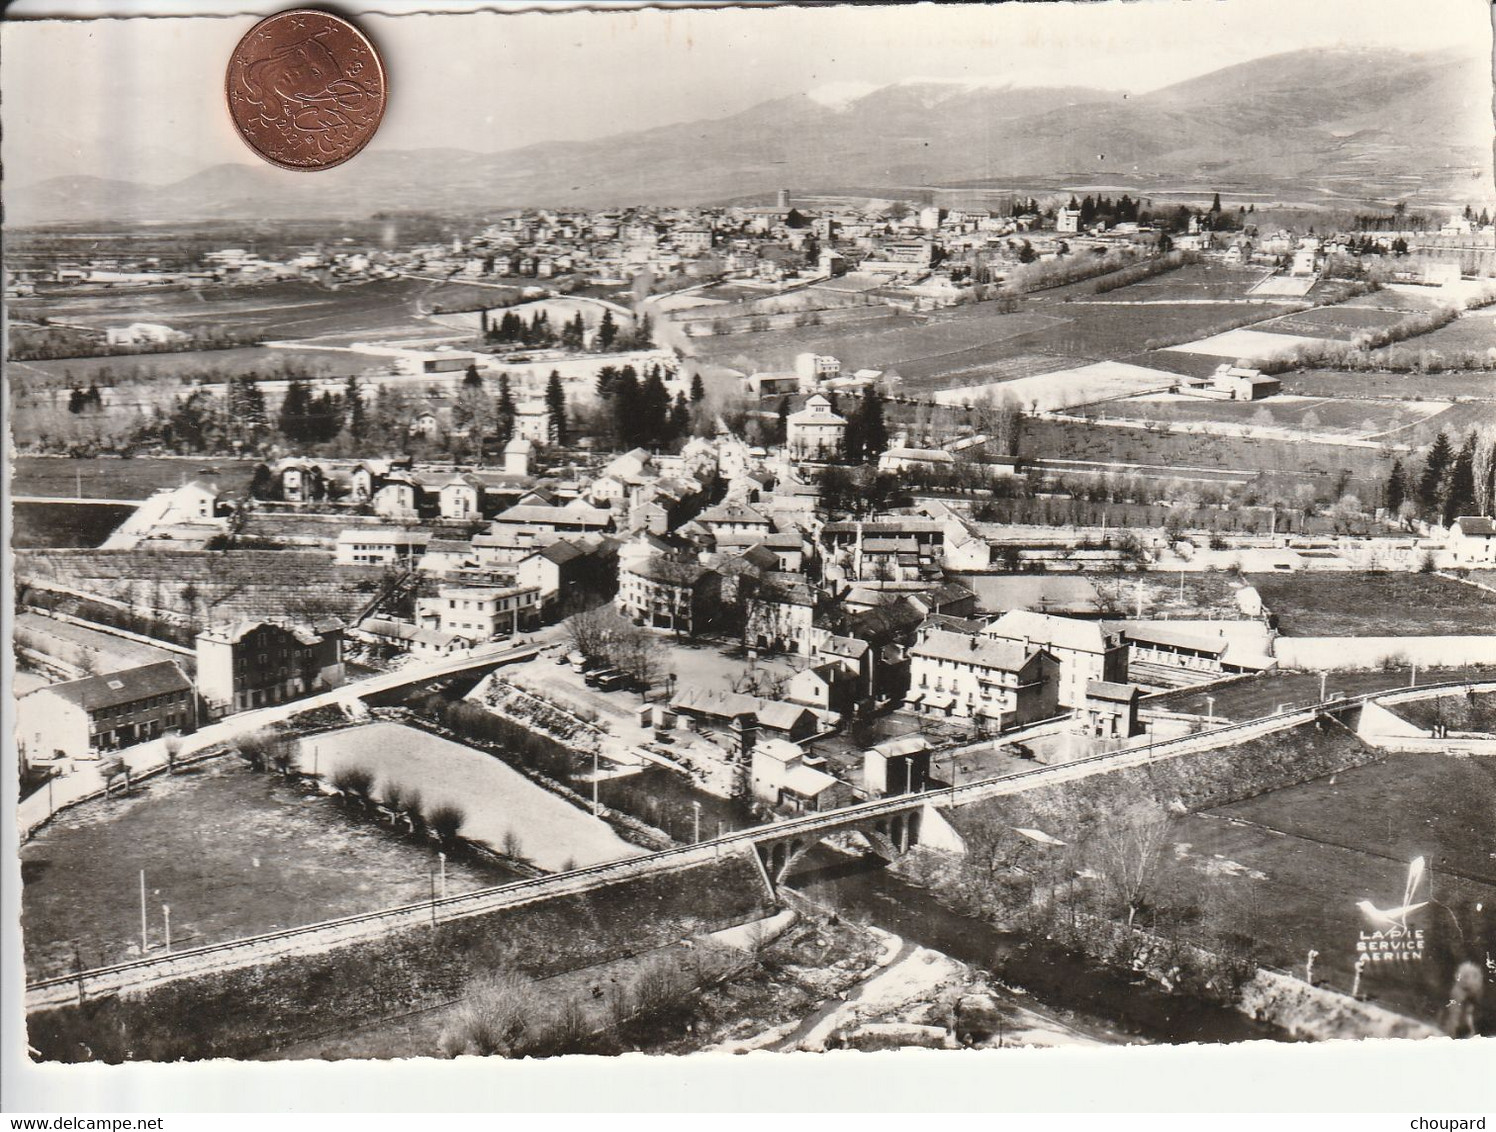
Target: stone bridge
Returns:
[[889, 831]]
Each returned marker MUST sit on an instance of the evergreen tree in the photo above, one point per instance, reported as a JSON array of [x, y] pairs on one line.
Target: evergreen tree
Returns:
[[680, 418], [1435, 468], [605, 379], [358, 416], [1215, 204], [1459, 497], [77, 401], [504, 411], [295, 412], [261, 483], [483, 327], [1396, 490], [644, 332], [698, 389], [782, 428], [874, 429], [654, 410], [472, 379], [607, 331], [555, 409], [625, 402]]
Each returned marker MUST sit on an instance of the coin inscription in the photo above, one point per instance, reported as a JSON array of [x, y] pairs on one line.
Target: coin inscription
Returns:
[[306, 89]]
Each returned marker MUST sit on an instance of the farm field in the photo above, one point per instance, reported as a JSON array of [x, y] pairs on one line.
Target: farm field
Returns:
[[883, 343], [232, 852], [1287, 868], [107, 478], [1257, 696], [292, 309], [1248, 343], [1192, 282], [1063, 389], [1397, 386], [1473, 330], [188, 367], [1345, 417], [114, 478], [498, 800], [1101, 330], [64, 524], [1389, 300], [966, 346], [1272, 461], [1375, 605], [1340, 323]]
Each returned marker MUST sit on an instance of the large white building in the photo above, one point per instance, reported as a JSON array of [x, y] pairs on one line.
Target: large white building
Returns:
[[975, 677], [816, 432], [1085, 650]]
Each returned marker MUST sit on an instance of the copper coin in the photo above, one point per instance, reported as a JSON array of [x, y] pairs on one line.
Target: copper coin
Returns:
[[306, 89]]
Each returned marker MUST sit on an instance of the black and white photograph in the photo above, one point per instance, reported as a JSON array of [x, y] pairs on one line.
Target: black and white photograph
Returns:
[[751, 530]]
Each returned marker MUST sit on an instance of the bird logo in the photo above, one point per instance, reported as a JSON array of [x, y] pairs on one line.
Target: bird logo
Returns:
[[1398, 917]]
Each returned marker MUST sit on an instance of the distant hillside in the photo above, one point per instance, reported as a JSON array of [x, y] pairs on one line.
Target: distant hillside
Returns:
[[1328, 125]]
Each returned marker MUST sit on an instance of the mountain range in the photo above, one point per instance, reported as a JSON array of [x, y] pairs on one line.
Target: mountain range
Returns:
[[1325, 126]]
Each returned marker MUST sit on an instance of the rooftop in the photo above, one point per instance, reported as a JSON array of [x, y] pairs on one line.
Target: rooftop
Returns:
[[127, 686]]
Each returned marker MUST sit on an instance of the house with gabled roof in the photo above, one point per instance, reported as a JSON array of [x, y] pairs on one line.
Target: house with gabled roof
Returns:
[[1001, 682], [98, 713], [1472, 540], [1086, 650]]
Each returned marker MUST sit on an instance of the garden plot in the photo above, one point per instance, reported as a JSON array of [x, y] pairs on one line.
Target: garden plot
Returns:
[[498, 800], [1064, 389]]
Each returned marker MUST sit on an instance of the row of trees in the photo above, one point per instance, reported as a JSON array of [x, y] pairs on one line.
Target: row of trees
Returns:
[[513, 329], [640, 413], [1451, 482]]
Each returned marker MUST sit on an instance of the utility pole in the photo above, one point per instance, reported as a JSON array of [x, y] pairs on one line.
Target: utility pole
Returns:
[[696, 822], [442, 857], [143, 943], [166, 920], [1322, 677], [595, 773]]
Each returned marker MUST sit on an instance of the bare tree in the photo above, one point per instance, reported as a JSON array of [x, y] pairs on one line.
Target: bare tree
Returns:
[[1126, 852]]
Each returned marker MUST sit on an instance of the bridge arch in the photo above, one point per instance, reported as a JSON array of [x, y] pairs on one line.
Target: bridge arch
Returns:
[[889, 836]]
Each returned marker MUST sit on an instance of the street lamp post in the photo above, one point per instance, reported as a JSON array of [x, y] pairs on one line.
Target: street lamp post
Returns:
[[696, 821], [166, 920], [1309, 966], [1210, 709], [144, 944], [442, 857], [595, 773]]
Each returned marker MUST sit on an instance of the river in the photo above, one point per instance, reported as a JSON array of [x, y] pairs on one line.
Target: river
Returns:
[[861, 888]]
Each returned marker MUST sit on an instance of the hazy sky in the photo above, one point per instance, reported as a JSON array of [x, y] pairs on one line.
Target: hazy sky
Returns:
[[142, 98]]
